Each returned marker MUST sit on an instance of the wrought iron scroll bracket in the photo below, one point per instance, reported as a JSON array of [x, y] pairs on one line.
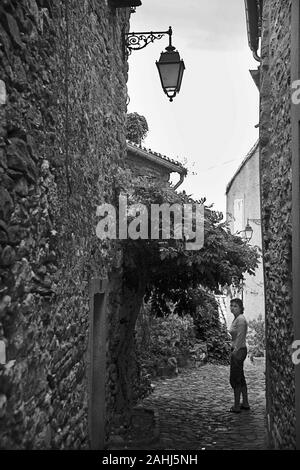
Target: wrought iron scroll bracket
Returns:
[[256, 221], [137, 41]]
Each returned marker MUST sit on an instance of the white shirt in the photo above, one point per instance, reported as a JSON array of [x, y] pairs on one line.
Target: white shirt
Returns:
[[238, 331]]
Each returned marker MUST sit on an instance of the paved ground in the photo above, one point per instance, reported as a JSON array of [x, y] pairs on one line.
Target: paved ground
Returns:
[[193, 411]]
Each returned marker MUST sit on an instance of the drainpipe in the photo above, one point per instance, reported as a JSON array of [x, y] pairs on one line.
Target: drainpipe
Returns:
[[253, 15], [182, 176]]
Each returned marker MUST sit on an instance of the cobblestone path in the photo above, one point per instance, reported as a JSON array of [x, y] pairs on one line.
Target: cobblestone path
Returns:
[[193, 410]]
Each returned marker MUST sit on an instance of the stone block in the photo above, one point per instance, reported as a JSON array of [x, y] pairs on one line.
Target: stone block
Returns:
[[12, 29], [3, 405], [2, 92], [6, 204], [8, 256], [2, 351]]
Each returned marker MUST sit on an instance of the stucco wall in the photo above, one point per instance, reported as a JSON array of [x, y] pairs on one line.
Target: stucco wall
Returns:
[[275, 142], [245, 187], [61, 143]]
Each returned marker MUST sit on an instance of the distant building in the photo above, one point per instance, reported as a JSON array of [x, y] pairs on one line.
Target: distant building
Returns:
[[153, 165], [243, 205]]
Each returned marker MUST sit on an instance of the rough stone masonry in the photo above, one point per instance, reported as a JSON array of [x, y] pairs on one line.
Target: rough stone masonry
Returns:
[[276, 171], [62, 113]]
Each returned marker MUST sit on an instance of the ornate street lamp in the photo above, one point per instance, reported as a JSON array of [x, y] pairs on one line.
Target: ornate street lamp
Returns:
[[248, 231], [170, 66]]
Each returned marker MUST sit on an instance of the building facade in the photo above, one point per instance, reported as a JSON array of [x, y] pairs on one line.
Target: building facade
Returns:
[[153, 165], [242, 207]]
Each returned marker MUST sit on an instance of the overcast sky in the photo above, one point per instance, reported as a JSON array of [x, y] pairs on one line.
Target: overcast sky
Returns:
[[211, 122]]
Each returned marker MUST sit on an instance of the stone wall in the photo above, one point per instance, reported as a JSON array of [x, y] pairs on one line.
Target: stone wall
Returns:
[[275, 153], [62, 116]]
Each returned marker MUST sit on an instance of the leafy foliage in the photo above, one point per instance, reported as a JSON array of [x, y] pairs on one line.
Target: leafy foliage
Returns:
[[192, 320], [203, 307], [169, 265], [164, 268], [256, 337], [136, 128], [159, 339]]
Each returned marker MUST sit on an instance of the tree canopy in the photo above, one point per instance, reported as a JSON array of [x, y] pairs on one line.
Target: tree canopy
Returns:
[[136, 128], [169, 265]]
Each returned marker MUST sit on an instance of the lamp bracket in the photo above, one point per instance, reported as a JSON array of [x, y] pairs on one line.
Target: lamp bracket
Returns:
[[256, 221], [139, 40]]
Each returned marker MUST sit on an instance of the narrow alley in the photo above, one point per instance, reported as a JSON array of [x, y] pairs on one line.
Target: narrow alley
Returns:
[[192, 412], [149, 227]]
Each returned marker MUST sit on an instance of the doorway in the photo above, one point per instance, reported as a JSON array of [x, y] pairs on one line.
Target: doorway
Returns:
[[97, 363]]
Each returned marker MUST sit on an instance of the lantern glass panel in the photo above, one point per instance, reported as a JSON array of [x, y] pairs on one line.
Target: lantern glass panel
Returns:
[[182, 67], [248, 232], [169, 73]]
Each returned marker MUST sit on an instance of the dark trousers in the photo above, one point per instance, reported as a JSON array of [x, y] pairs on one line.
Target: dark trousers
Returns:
[[237, 377]]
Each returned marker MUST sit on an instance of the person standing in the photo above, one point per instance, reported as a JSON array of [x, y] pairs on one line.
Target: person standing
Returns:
[[238, 332]]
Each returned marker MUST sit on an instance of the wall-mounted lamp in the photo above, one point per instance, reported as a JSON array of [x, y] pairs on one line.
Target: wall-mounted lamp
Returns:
[[256, 221], [248, 232], [170, 66]]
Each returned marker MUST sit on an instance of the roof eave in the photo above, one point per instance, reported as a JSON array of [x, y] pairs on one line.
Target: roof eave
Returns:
[[246, 159], [156, 159]]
